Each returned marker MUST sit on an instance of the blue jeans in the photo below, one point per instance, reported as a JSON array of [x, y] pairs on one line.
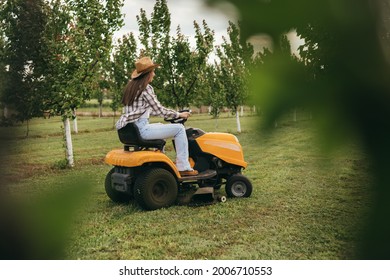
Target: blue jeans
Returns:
[[163, 131]]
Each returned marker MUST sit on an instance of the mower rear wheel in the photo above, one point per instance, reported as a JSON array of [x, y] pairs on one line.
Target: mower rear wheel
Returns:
[[114, 195], [238, 186], [155, 188]]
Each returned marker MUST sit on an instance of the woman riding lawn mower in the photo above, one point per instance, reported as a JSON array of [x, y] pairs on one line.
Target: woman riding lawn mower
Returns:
[[144, 172]]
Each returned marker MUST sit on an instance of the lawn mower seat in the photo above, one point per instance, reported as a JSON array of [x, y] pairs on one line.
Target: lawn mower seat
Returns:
[[131, 138]]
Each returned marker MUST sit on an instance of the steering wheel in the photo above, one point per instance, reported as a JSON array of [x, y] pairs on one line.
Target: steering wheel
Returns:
[[177, 120]]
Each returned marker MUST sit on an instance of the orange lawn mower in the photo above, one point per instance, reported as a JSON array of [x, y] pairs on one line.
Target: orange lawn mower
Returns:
[[143, 172]]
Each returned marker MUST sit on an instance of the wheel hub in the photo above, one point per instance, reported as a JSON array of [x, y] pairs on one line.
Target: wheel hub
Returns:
[[239, 189], [159, 191]]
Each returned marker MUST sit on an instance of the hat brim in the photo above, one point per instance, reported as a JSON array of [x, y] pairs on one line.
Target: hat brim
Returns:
[[136, 74]]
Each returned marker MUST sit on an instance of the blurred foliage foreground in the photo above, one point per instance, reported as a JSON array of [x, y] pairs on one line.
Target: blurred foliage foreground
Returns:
[[342, 76]]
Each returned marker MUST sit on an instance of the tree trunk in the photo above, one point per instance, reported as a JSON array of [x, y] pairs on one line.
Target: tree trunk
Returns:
[[27, 128], [114, 119], [5, 112], [238, 122], [100, 109], [75, 125], [68, 142]]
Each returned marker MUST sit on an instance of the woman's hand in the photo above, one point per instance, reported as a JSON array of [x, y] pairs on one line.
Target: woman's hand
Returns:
[[184, 115]]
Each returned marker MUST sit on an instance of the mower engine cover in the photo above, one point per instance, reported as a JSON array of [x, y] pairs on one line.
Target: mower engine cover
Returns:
[[223, 145]]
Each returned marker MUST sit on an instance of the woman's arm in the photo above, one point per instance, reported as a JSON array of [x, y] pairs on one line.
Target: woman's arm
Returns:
[[157, 109]]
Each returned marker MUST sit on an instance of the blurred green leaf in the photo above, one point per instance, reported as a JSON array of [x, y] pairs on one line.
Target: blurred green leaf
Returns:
[[39, 226]]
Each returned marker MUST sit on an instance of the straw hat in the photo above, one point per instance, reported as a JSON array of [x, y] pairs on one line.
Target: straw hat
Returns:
[[142, 66]]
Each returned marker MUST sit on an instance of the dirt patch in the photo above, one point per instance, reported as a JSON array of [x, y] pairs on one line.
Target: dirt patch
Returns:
[[19, 172]]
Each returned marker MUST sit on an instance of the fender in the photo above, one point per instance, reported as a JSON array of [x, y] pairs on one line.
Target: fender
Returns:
[[124, 158]]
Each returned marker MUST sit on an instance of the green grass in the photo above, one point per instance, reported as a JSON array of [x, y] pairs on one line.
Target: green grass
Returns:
[[305, 204]]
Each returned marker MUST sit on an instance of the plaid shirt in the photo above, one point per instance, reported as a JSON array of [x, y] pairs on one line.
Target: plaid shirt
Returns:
[[147, 101]]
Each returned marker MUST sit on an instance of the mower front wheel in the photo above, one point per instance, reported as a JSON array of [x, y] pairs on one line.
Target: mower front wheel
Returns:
[[155, 188], [238, 186]]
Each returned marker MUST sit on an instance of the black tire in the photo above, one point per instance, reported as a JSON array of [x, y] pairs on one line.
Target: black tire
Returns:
[[238, 186], [114, 195], [155, 188]]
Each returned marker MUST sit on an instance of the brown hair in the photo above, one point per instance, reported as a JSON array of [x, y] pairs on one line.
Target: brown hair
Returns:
[[134, 88]]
